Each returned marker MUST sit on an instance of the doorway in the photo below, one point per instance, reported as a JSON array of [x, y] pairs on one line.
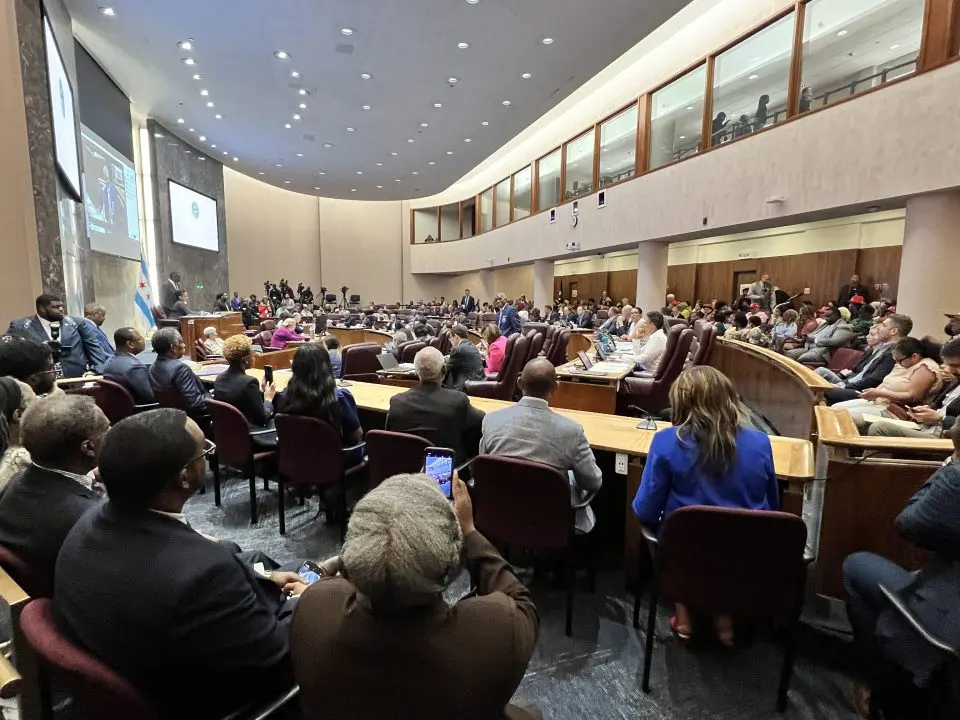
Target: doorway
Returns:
[[741, 279], [574, 290]]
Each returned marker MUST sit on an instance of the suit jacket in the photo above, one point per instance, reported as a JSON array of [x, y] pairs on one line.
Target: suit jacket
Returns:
[[173, 612], [168, 295], [931, 520], [585, 320], [243, 392], [825, 338], [101, 336], [78, 345], [463, 363], [848, 291], [37, 510], [468, 303], [167, 373], [872, 369], [508, 320], [442, 417], [462, 661], [530, 430], [127, 370]]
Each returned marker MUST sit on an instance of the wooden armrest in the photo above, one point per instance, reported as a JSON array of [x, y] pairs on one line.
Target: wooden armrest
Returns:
[[10, 680]]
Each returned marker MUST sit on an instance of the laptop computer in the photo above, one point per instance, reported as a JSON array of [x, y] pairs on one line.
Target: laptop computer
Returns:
[[585, 359], [389, 362]]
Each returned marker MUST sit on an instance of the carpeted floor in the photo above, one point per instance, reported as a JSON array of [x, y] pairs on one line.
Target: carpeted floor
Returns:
[[595, 673]]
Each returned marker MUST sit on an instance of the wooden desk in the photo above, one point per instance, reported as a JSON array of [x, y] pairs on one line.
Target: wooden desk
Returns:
[[357, 335], [192, 327], [592, 392], [580, 339], [782, 390], [859, 495]]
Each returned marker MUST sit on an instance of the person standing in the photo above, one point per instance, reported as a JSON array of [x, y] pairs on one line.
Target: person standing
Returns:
[[508, 319], [94, 316], [169, 290], [761, 292], [468, 303], [78, 346], [236, 303], [852, 289]]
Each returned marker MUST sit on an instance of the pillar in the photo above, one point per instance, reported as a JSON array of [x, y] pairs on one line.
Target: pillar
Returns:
[[651, 275], [542, 283], [928, 285], [485, 291]]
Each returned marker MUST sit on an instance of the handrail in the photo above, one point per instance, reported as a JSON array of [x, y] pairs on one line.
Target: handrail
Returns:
[[835, 428], [805, 375]]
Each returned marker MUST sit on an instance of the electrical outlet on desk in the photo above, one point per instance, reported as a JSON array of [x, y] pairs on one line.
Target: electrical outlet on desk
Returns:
[[620, 466]]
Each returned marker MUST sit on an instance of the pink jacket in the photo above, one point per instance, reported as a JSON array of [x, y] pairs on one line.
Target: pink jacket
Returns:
[[283, 335], [495, 354]]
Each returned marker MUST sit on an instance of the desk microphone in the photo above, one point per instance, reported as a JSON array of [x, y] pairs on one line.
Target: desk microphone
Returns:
[[54, 345]]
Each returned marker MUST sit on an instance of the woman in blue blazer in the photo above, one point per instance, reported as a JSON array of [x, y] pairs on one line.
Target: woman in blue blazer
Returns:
[[707, 458]]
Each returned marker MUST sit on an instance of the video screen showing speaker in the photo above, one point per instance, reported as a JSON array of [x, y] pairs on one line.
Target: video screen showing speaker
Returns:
[[110, 198], [61, 108], [194, 218]]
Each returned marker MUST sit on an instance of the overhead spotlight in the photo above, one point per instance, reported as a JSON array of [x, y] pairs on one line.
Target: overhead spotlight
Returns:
[[414, 173], [841, 33], [279, 164], [753, 77], [225, 152], [302, 106], [287, 125], [190, 130], [328, 145], [299, 154], [201, 158], [281, 55], [394, 154], [185, 45], [187, 61], [203, 138], [379, 187], [895, 46], [527, 76], [108, 11], [689, 107], [359, 172], [449, 152], [364, 107], [321, 173], [547, 41], [506, 102], [472, 2], [453, 80], [302, 91], [213, 146], [236, 159], [295, 74], [398, 180], [210, 104], [218, 116], [179, 121], [316, 187], [196, 76], [204, 93], [463, 45], [353, 189], [366, 76], [424, 124], [286, 182], [158, 135], [379, 164], [485, 123], [410, 140], [350, 129], [261, 173], [431, 163], [296, 116], [467, 140], [438, 105], [346, 31]]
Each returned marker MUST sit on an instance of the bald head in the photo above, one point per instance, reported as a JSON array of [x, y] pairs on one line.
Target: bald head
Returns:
[[539, 379]]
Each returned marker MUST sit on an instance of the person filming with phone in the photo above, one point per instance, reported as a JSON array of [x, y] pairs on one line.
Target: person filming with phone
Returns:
[[382, 615]]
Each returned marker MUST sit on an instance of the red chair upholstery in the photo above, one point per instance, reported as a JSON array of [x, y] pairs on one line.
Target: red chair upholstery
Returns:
[[116, 402], [549, 337], [263, 338], [33, 583], [445, 345], [98, 692], [738, 576], [270, 325], [391, 453], [472, 318], [651, 394], [526, 504], [409, 350], [487, 318], [558, 353], [707, 339], [537, 338], [844, 359], [359, 359], [171, 398], [231, 433], [311, 460], [168, 323], [505, 386]]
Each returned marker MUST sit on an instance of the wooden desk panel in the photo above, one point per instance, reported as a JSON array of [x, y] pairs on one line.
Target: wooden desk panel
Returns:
[[574, 371], [579, 340], [346, 336], [586, 396], [278, 360], [192, 327]]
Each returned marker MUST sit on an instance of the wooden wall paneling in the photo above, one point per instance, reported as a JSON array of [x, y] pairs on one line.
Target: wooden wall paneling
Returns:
[[622, 284], [714, 281], [682, 281], [939, 40], [643, 128], [707, 127], [796, 61], [879, 265]]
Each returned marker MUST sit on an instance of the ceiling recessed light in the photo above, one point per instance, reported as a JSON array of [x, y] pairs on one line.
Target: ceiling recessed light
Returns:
[[316, 187], [296, 116], [213, 146], [286, 182], [346, 31], [841, 33], [689, 107], [210, 104], [180, 121], [463, 45], [895, 46], [547, 41], [295, 74], [302, 91], [287, 125], [281, 55], [424, 124], [485, 123], [472, 2], [190, 130], [453, 80], [204, 92], [449, 152], [394, 154], [467, 140], [225, 152], [302, 106], [158, 135], [682, 137], [353, 189], [196, 76], [350, 129], [379, 187], [189, 152], [398, 180], [236, 159], [218, 116], [321, 173], [203, 138], [431, 163], [364, 107], [379, 164], [299, 154], [279, 164], [438, 105], [108, 11], [261, 173], [409, 140], [753, 77], [359, 172], [506, 102], [201, 158], [366, 76], [185, 45], [328, 145], [527, 76], [187, 61], [414, 173]]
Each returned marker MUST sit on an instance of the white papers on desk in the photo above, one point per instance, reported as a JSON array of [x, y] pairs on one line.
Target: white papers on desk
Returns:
[[610, 367], [624, 347]]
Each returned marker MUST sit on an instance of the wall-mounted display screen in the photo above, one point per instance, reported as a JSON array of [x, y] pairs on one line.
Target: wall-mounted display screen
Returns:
[[110, 198], [194, 218], [61, 108]]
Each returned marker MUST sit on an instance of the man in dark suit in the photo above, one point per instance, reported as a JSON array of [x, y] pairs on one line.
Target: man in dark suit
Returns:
[[584, 317], [168, 292], [79, 347], [464, 362], [468, 303], [39, 507], [445, 418], [94, 316], [851, 289], [178, 615], [125, 368], [169, 373], [508, 319]]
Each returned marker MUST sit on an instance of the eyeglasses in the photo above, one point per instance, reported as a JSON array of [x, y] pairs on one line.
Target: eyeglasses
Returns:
[[209, 448]]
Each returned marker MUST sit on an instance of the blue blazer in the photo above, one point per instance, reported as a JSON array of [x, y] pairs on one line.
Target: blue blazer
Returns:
[[671, 481], [127, 370], [509, 321], [79, 347], [108, 349]]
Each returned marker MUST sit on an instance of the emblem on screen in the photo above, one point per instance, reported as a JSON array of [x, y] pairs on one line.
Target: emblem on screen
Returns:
[[195, 209]]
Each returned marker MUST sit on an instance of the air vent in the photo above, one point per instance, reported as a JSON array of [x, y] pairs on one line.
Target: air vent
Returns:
[[344, 49]]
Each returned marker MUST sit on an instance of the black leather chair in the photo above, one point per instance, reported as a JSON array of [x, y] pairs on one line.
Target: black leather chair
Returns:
[[651, 394], [505, 386]]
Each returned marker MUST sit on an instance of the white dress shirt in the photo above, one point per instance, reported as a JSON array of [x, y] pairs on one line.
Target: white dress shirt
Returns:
[[45, 324], [652, 351]]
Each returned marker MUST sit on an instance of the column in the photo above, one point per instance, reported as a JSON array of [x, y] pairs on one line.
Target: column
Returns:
[[928, 285], [542, 283], [651, 275], [484, 292]]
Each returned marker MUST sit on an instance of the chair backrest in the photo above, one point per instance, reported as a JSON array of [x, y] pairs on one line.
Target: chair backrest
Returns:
[[263, 338], [200, 351], [537, 339], [558, 353], [445, 344], [844, 358], [708, 336], [712, 561], [514, 359], [309, 450], [268, 325], [231, 433], [158, 313], [171, 398], [472, 319], [359, 359], [603, 315], [697, 325], [115, 401], [392, 453], [675, 352], [486, 318], [98, 691], [409, 350], [521, 503], [34, 583], [672, 322], [168, 323], [435, 324]]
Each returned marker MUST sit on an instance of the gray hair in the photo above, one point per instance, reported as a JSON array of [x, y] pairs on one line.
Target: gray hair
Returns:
[[903, 323], [91, 308], [210, 331], [53, 428], [428, 363], [165, 339], [403, 543], [400, 337]]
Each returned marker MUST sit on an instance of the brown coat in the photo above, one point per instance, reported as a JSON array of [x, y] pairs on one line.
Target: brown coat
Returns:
[[462, 661]]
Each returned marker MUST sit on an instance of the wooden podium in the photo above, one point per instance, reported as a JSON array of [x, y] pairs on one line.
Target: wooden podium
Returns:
[[192, 327]]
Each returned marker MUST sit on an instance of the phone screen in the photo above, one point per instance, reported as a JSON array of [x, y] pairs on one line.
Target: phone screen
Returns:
[[310, 572], [440, 468], [268, 373]]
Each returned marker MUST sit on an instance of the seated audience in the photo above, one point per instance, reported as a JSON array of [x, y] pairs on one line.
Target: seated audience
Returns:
[[806, 324], [889, 648], [332, 345], [707, 458], [530, 430], [832, 334], [584, 317], [125, 367], [15, 398], [29, 362], [754, 333], [168, 373], [656, 342], [393, 346], [941, 413], [39, 506], [723, 321], [738, 328], [384, 616], [180, 308], [618, 324], [442, 416], [635, 324], [496, 347], [176, 614], [285, 332], [313, 392], [908, 383], [875, 364], [212, 342], [464, 362], [785, 328], [234, 386], [863, 320]]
